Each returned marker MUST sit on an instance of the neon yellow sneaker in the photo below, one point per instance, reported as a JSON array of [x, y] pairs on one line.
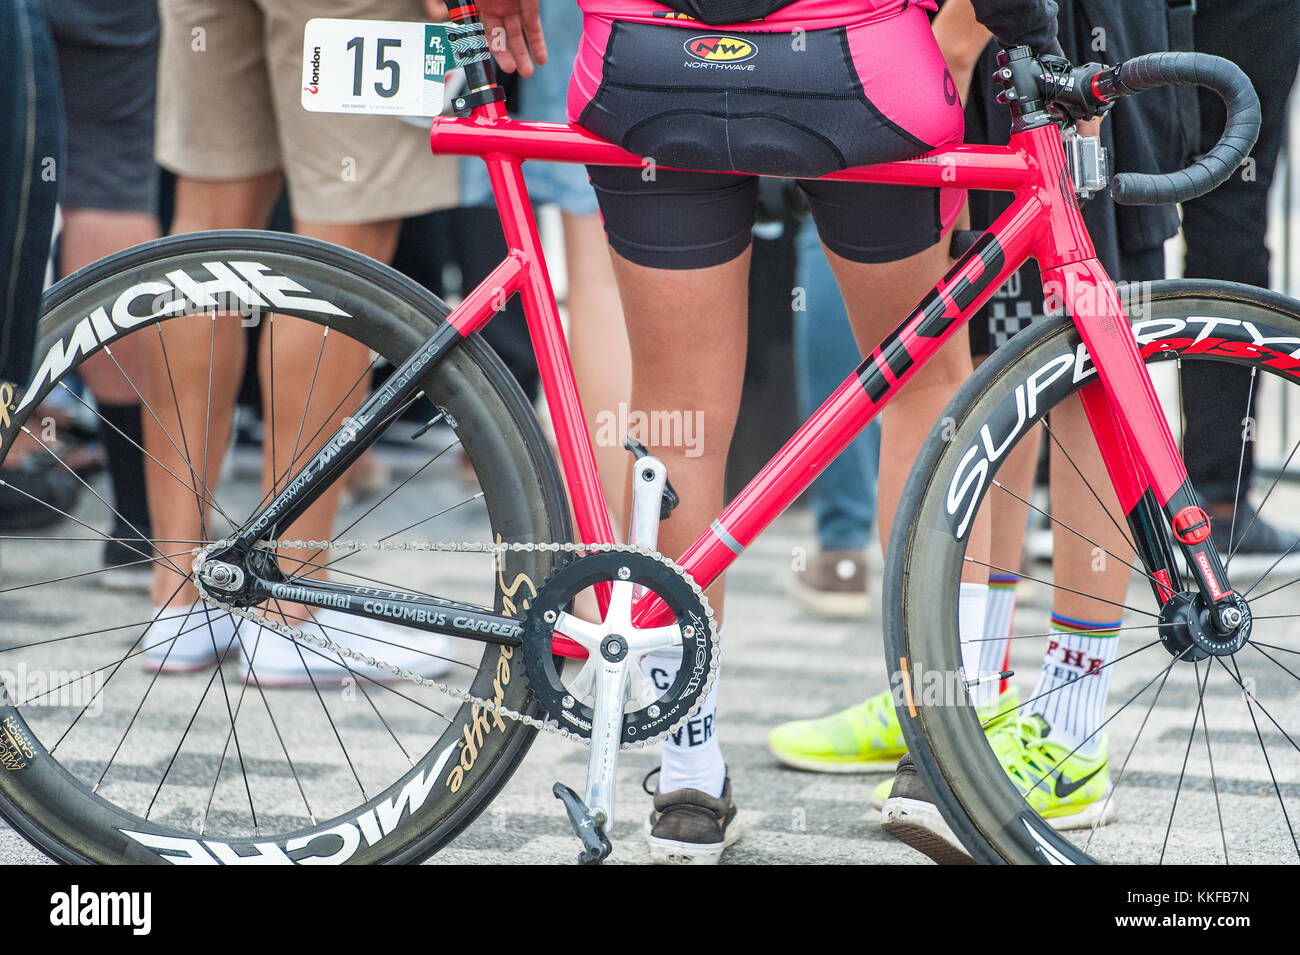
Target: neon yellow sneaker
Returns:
[[1069, 791], [1005, 709], [861, 739]]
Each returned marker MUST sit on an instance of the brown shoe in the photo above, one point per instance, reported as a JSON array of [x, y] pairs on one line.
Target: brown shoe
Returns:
[[833, 585], [689, 827], [911, 817]]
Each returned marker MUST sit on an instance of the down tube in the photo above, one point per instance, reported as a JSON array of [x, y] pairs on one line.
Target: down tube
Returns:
[[970, 283]]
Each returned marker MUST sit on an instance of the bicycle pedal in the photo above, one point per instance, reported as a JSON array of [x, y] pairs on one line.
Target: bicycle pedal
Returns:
[[589, 829]]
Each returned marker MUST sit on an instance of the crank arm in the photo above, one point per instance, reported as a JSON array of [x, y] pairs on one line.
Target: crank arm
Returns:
[[589, 829]]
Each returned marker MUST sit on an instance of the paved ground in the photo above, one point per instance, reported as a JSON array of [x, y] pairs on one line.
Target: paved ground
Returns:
[[778, 664]]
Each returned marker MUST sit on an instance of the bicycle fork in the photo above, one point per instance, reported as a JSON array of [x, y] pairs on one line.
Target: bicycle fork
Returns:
[[1148, 474]]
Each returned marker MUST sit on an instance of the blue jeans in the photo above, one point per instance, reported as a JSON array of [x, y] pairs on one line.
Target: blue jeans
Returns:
[[825, 353]]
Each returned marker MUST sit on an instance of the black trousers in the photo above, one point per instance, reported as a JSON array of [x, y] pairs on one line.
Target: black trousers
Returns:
[[31, 166], [1225, 230]]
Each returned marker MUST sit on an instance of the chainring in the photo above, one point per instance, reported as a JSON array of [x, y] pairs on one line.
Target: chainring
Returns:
[[690, 608]]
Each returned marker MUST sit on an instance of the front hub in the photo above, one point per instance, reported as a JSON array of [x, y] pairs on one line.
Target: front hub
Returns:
[[1188, 631]]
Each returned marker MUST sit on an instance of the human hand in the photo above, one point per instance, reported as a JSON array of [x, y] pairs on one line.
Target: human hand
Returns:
[[513, 28]]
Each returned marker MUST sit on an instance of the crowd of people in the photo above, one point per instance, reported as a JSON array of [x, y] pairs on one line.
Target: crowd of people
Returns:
[[200, 128]]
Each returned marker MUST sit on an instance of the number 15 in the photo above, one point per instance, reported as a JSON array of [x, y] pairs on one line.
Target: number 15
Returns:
[[357, 46]]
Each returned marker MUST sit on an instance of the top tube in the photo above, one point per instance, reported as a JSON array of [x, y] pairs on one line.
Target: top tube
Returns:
[[491, 133]]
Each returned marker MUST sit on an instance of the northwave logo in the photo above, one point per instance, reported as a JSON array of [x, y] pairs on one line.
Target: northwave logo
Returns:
[[726, 49]]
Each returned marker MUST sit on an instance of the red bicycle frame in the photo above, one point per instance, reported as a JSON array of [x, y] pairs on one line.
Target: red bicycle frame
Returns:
[[1042, 222]]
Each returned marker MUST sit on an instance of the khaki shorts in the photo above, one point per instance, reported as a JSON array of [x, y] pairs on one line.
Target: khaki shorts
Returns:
[[229, 107]]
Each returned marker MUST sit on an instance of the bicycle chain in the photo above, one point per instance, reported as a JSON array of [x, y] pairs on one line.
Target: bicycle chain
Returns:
[[464, 547]]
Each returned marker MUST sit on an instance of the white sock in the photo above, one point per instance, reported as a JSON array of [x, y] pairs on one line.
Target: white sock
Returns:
[[1072, 687], [971, 603], [691, 758], [997, 629]]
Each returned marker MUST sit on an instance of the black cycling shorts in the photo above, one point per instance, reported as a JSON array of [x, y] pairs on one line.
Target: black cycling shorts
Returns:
[[797, 105]]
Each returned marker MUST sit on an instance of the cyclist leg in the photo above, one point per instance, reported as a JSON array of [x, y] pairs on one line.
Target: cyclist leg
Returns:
[[309, 386], [183, 423], [599, 349]]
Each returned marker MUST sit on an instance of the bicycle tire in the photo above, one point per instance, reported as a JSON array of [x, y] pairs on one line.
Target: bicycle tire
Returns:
[[979, 803], [415, 811]]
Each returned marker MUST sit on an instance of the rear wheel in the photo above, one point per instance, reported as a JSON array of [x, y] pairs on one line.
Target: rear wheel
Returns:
[[1200, 758], [111, 753]]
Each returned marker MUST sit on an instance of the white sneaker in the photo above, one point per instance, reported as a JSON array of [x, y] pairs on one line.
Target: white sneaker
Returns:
[[279, 661], [185, 639]]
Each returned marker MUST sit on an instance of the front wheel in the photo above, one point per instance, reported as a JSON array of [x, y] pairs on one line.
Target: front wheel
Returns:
[[1105, 745], [142, 729]]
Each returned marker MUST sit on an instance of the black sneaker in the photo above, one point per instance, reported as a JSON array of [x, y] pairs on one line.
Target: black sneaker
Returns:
[[1255, 543], [911, 817], [689, 827]]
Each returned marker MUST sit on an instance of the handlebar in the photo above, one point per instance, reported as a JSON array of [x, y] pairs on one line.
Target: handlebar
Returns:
[[1094, 88]]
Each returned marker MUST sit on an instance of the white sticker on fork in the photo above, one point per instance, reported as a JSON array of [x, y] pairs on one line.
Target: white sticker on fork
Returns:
[[375, 66]]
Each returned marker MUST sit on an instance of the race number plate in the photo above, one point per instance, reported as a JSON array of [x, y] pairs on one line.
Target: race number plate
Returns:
[[374, 66]]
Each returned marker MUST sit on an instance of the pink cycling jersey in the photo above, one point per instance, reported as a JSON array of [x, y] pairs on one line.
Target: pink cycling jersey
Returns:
[[881, 36], [805, 14]]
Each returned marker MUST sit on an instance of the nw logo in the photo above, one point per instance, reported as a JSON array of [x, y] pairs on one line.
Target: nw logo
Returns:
[[720, 48]]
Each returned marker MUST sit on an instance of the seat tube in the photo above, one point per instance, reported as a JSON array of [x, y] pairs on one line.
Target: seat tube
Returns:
[[553, 364]]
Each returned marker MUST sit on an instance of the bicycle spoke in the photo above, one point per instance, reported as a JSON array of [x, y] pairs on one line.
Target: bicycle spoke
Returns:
[[1209, 754], [233, 716], [1241, 463], [1105, 510], [1286, 817], [1173, 810], [87, 573], [1272, 646], [82, 481], [1163, 676], [132, 442], [277, 477], [1040, 696], [1053, 633], [1263, 501], [311, 389], [180, 422], [1048, 583], [1102, 726], [328, 716], [1076, 533], [1283, 556], [116, 669], [370, 510]]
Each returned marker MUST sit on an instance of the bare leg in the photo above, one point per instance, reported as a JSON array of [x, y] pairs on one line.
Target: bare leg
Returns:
[[194, 366], [598, 347], [689, 367], [305, 375], [878, 297], [89, 235], [1091, 575]]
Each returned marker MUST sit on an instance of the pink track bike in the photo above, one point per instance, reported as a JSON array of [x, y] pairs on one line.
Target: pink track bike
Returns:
[[467, 564]]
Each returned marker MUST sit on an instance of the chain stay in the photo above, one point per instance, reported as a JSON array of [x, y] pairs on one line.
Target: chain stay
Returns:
[[462, 547]]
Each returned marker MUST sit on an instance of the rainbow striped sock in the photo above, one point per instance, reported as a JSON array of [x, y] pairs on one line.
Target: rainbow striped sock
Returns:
[[1075, 680], [997, 628]]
